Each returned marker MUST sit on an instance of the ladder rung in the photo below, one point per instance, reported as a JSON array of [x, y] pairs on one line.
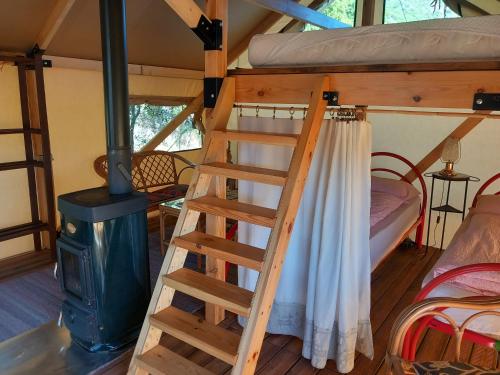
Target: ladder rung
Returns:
[[234, 210], [22, 230], [220, 248], [19, 131], [245, 172], [161, 361], [211, 290], [276, 139], [214, 340], [20, 164]]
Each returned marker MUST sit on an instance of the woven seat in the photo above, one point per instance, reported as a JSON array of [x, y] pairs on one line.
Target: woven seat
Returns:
[[441, 368], [153, 172]]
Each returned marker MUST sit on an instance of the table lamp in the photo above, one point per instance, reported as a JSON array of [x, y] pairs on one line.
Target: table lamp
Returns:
[[450, 155]]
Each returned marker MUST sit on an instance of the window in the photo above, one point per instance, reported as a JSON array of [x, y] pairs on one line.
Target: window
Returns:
[[342, 10], [146, 120], [398, 11]]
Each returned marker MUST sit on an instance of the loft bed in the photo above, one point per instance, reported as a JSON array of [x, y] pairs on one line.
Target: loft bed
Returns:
[[456, 86]]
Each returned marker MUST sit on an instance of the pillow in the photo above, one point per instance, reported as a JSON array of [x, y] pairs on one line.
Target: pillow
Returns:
[[398, 188], [488, 204]]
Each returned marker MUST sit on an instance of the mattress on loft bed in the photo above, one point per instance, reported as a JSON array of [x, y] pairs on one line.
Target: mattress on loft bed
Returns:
[[442, 40]]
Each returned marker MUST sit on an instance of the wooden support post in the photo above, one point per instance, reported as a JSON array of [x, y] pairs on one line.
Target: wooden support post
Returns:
[[187, 10], [192, 107], [461, 131], [216, 67], [53, 22]]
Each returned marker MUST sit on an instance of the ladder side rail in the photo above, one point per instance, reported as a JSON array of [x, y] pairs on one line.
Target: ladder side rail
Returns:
[[28, 146], [253, 334], [175, 256]]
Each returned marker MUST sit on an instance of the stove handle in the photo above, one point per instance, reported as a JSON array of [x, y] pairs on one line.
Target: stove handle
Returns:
[[55, 271]]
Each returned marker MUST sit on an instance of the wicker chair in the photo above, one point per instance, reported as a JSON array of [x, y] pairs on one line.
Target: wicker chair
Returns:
[[153, 172], [395, 361]]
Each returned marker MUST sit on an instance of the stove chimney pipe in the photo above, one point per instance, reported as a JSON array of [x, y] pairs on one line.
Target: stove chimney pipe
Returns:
[[115, 73]]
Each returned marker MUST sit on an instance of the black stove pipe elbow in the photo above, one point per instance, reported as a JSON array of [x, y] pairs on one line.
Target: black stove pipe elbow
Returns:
[[116, 102]]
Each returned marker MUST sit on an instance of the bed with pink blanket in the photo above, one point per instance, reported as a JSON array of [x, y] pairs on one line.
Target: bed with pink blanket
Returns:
[[397, 208], [476, 241]]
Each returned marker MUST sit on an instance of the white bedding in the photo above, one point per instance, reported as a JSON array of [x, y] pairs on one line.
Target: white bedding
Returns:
[[443, 40], [385, 235]]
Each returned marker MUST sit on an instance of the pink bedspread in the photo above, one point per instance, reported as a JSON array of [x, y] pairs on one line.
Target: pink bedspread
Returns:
[[382, 205], [477, 241]]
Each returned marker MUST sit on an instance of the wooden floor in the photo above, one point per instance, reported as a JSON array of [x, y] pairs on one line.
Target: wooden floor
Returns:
[[394, 285]]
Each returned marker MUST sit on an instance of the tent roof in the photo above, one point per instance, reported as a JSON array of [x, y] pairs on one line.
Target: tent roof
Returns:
[[156, 35]]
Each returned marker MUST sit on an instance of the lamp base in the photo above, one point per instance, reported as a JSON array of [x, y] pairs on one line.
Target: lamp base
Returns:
[[448, 170]]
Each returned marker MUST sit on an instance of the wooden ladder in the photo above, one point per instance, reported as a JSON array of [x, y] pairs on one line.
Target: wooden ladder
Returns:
[[242, 351]]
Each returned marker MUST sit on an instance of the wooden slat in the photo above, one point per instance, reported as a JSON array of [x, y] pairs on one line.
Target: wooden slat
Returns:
[[161, 361], [276, 139], [234, 210], [214, 340], [19, 131], [22, 230], [187, 10], [210, 290], [53, 22], [300, 12], [445, 89], [253, 335], [245, 172], [220, 248], [20, 164]]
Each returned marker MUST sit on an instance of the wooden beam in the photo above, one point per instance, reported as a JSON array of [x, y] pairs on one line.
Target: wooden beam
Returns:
[[133, 69], [53, 22], [294, 25], [192, 107], [300, 12], [216, 66], [460, 131], [368, 16], [188, 11], [393, 89]]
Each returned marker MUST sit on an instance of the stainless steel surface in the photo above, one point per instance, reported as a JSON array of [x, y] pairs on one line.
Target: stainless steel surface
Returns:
[[49, 350]]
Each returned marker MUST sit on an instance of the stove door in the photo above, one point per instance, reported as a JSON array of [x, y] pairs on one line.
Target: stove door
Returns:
[[76, 275]]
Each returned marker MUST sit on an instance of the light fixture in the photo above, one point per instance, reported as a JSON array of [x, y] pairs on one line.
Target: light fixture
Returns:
[[450, 155]]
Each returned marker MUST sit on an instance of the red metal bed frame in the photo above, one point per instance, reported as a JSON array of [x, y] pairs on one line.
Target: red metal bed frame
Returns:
[[412, 337], [420, 223]]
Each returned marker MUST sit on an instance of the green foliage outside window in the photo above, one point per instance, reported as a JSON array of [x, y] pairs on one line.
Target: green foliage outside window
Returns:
[[147, 120], [342, 10], [398, 11]]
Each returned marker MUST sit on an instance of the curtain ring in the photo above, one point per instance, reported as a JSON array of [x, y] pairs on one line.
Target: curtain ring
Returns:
[[274, 113], [332, 113], [304, 114], [292, 111], [240, 110], [257, 111]]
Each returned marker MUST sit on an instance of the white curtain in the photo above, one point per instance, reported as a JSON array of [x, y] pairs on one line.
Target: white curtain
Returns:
[[324, 291]]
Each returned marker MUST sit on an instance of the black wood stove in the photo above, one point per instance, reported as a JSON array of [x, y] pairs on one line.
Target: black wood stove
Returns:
[[103, 250]]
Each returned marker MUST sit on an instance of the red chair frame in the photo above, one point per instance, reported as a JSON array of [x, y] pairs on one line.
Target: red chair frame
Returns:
[[420, 223], [411, 339]]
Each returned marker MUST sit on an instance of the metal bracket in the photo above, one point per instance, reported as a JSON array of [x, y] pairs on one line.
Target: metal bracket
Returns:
[[210, 33], [211, 91], [486, 101], [332, 97]]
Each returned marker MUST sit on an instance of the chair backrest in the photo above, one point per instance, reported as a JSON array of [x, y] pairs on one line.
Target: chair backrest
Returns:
[[101, 168], [156, 168]]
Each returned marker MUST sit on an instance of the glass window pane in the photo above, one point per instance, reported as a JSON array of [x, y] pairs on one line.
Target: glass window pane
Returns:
[[146, 120], [342, 10], [398, 11]]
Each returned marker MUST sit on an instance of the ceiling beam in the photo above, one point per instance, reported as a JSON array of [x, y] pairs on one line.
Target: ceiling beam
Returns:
[[460, 131], [53, 23], [300, 12], [188, 11]]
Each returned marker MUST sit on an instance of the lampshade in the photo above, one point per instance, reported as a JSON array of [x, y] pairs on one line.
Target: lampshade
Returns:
[[451, 150]]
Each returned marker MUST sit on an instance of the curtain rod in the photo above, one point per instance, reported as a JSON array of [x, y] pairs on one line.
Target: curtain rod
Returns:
[[373, 110]]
